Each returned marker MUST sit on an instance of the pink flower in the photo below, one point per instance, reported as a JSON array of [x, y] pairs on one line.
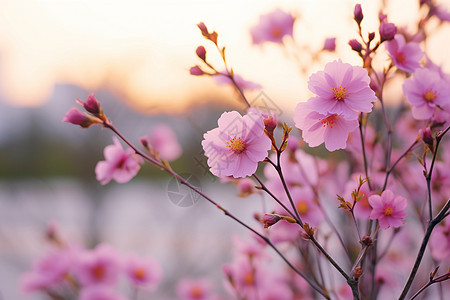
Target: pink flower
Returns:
[[120, 165], [317, 128], [240, 81], [405, 56], [92, 105], [144, 272], [388, 209], [189, 289], [272, 27], [77, 117], [48, 271], [98, 266], [309, 212], [424, 92], [237, 145], [99, 292], [341, 89], [387, 30], [440, 241], [163, 139]]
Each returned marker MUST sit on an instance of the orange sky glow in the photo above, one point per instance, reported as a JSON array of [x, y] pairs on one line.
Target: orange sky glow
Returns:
[[142, 50]]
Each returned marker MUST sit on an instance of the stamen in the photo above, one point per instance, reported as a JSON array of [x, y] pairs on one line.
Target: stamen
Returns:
[[329, 121], [340, 93], [236, 145]]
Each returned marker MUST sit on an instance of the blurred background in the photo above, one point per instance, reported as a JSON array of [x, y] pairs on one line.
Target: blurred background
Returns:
[[136, 55]]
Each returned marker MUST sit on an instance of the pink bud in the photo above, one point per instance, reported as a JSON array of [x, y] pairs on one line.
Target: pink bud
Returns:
[[330, 44], [203, 28], [426, 136], [387, 31], [269, 220], [201, 52], [196, 71], [270, 122], [356, 46], [371, 36], [91, 105], [76, 117], [358, 14], [382, 17]]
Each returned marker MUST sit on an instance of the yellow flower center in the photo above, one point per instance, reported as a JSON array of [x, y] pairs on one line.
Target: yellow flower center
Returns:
[[329, 121], [388, 211], [139, 273], [430, 95], [236, 145], [302, 207], [340, 93]]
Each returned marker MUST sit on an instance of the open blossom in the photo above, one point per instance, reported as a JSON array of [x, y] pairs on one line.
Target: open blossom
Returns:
[[425, 91], [120, 165], [405, 56], [237, 145], [317, 128], [189, 289], [272, 27], [341, 89], [388, 209], [144, 272], [98, 266], [163, 139]]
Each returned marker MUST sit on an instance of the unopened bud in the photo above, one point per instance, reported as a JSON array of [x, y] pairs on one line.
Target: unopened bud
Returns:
[[371, 36], [76, 117], [387, 31], [330, 44], [270, 123], [366, 240], [356, 46], [358, 14], [425, 135], [196, 71], [201, 52], [357, 272], [269, 220]]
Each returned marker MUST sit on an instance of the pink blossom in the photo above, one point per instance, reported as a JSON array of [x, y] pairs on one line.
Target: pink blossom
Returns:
[[144, 272], [442, 13], [388, 209], [120, 165], [92, 105], [198, 289], [99, 292], [308, 210], [48, 271], [196, 71], [405, 56], [76, 117], [424, 92], [98, 266], [341, 89], [164, 140], [237, 145], [240, 81], [272, 27], [317, 128]]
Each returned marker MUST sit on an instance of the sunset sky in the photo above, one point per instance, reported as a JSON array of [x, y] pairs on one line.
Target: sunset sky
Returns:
[[142, 50]]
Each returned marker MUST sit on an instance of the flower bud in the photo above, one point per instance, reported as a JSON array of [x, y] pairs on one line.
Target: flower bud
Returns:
[[196, 71], [356, 46], [201, 52], [366, 240], [371, 36], [270, 123], [382, 17], [330, 44], [76, 117], [269, 220], [357, 272], [425, 135], [358, 14], [91, 105], [387, 31]]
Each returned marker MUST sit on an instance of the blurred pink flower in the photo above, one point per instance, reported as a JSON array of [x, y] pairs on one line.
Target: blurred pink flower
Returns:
[[237, 145], [164, 140], [341, 89], [308, 210], [317, 128], [143, 272], [100, 266], [405, 56], [48, 271], [190, 289], [99, 292], [330, 44], [272, 27], [425, 91], [388, 209], [240, 81], [120, 165], [440, 241]]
